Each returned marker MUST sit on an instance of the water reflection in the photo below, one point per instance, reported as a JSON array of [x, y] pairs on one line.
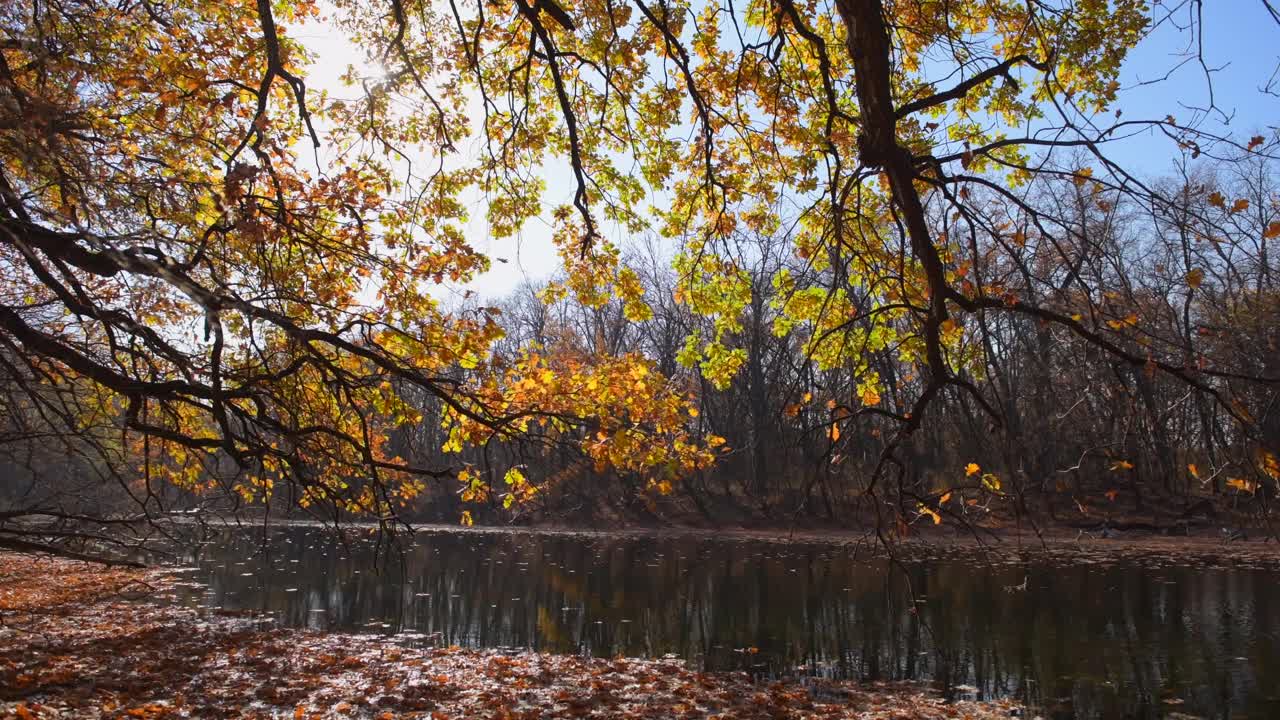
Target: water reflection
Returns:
[[1087, 641]]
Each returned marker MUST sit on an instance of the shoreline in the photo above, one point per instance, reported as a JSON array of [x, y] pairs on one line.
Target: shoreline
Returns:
[[996, 546], [82, 640], [1053, 533]]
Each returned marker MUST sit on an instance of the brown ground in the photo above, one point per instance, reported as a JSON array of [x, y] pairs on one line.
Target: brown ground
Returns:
[[990, 544], [83, 641]]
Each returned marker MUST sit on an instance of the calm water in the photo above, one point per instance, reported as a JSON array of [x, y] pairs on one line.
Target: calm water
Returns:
[[1084, 641]]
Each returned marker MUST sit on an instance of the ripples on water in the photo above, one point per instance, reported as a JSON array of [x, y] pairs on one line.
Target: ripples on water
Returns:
[[1084, 641]]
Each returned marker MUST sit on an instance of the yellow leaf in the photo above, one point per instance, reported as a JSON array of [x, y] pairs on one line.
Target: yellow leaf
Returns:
[[1195, 472], [971, 469], [466, 519], [943, 500], [835, 432], [1121, 465], [926, 510], [991, 482]]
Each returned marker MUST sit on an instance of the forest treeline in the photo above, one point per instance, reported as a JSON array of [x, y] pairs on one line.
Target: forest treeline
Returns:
[[1071, 433], [1061, 429]]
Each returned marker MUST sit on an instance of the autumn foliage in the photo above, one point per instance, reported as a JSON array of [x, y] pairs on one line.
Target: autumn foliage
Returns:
[[222, 279]]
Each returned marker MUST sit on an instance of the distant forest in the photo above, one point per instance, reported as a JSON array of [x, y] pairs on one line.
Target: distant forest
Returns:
[[1076, 427]]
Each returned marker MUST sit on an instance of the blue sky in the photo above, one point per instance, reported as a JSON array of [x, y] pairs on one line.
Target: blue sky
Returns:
[[1241, 46]]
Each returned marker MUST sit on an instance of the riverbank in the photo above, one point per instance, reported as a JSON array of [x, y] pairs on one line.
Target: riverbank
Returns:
[[998, 546], [83, 641]]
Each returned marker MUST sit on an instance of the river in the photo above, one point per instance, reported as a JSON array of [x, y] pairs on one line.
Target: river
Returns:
[[1074, 640]]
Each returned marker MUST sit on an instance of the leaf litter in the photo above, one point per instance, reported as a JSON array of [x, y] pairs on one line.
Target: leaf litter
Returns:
[[83, 641]]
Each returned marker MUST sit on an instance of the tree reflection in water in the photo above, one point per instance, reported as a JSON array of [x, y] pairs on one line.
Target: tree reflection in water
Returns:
[[1082, 641]]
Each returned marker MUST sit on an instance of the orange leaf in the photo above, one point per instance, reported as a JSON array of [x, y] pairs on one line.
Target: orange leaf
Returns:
[[1270, 465], [1242, 485], [870, 397], [926, 510]]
